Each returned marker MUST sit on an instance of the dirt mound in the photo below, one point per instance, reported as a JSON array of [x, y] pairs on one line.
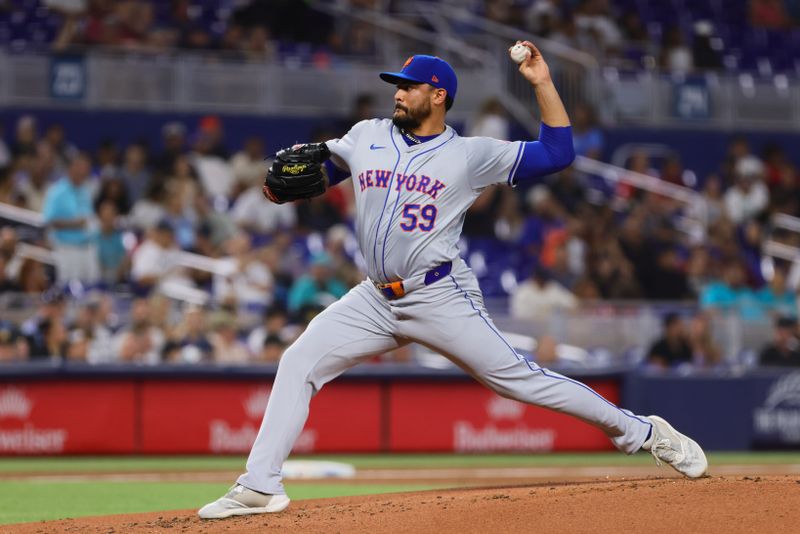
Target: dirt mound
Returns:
[[716, 504]]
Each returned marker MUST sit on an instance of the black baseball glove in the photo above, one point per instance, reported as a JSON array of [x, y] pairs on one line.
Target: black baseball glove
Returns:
[[296, 173]]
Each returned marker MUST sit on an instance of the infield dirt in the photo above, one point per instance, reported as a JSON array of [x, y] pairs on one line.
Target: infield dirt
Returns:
[[729, 504]]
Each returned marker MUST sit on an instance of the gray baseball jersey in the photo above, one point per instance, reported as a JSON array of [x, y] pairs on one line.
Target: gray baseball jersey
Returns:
[[411, 202]]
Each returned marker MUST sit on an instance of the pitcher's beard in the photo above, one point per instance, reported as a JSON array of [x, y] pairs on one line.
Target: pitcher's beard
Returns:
[[406, 122], [411, 119]]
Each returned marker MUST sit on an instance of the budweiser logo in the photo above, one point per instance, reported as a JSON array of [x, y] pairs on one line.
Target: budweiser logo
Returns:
[[14, 403], [256, 403], [500, 408]]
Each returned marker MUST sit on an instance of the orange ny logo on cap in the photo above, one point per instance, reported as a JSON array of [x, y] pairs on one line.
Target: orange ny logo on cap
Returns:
[[409, 60], [434, 79]]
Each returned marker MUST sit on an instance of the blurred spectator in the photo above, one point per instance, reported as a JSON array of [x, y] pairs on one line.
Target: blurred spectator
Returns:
[[56, 138], [8, 191], [272, 350], [339, 243], [51, 308], [189, 342], [569, 189], [705, 53], [33, 278], [68, 212], [90, 336], [174, 137], [149, 211], [135, 173], [785, 194], [672, 171], [178, 213], [13, 346], [491, 121], [784, 351], [638, 45], [705, 352], [183, 182], [363, 109], [776, 299], [275, 325], [542, 16], [317, 214], [216, 175], [52, 341], [482, 214], [593, 16], [712, 208], [673, 347], [539, 297], [110, 248], [113, 190], [7, 282], [587, 137], [259, 46], [141, 341], [774, 159], [107, 159], [738, 149], [546, 215], [216, 227], [230, 44], [749, 196], [249, 167], [253, 213], [698, 269], [248, 286], [26, 137], [227, 347], [155, 261], [675, 54], [33, 179], [211, 127], [730, 294], [669, 280], [318, 287]]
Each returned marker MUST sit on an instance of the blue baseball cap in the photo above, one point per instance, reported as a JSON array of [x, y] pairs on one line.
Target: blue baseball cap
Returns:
[[425, 69]]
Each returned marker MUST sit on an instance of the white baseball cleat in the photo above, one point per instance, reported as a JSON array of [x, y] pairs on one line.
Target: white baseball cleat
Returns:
[[243, 501], [681, 452]]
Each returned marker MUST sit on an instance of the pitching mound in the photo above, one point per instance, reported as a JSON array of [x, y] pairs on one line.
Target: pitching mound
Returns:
[[717, 504]]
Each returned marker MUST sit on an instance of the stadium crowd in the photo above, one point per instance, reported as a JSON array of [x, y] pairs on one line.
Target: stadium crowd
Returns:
[[123, 219], [671, 34], [183, 218]]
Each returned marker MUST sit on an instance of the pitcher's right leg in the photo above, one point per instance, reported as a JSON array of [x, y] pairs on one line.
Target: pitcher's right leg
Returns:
[[350, 330]]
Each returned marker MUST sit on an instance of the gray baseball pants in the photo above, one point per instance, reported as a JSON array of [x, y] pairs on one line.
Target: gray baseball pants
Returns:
[[447, 316]]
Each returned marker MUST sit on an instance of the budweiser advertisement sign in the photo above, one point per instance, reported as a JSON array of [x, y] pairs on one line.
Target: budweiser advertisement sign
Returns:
[[225, 417], [467, 417], [66, 417]]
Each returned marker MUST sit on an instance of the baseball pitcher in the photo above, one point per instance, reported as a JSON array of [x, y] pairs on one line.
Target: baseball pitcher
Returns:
[[414, 179]]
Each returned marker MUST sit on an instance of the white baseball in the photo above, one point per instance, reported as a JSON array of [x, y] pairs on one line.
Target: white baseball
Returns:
[[519, 53]]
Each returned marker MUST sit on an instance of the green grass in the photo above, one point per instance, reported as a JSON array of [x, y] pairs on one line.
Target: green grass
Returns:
[[40, 501], [123, 464], [26, 500]]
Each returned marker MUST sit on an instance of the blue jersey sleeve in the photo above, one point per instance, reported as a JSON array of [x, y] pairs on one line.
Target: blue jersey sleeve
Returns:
[[551, 153], [335, 174]]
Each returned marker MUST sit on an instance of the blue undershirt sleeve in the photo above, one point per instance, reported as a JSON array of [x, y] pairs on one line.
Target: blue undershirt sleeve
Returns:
[[551, 153], [335, 174]]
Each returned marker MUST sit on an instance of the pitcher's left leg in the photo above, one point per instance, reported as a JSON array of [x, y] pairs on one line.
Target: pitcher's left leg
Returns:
[[458, 326]]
